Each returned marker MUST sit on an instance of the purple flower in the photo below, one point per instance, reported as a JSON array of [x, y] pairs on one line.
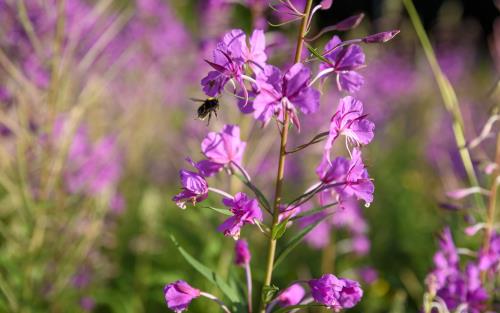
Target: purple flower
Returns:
[[319, 237], [92, 168], [326, 290], [489, 260], [179, 294], [221, 149], [446, 259], [351, 294], [351, 176], [349, 121], [381, 37], [336, 293], [291, 295], [242, 253], [368, 274], [454, 286], [87, 304], [245, 210], [254, 54], [194, 188], [343, 61], [289, 91], [229, 58]]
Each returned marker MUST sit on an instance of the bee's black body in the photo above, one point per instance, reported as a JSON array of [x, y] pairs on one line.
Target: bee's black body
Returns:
[[209, 106]]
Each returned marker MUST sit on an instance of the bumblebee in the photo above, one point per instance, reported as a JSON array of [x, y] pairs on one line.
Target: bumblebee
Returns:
[[207, 108]]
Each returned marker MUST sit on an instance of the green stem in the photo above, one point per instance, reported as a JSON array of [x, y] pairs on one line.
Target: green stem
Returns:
[[449, 98], [271, 250], [490, 219]]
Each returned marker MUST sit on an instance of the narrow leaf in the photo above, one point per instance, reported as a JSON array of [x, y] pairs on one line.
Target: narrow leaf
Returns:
[[315, 52], [207, 273], [219, 210], [296, 240], [314, 210], [279, 230]]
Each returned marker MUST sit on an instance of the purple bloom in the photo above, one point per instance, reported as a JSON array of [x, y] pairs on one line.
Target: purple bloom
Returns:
[[351, 294], [335, 293], [254, 54], [454, 286], [222, 149], [319, 237], [326, 290], [343, 61], [87, 303], [242, 253], [245, 210], [194, 188], [368, 274], [489, 260], [289, 91], [446, 259], [349, 121], [291, 295], [229, 58], [352, 176], [179, 295], [381, 37], [92, 168]]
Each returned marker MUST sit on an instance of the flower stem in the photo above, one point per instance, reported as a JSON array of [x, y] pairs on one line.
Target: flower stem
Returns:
[[248, 273], [215, 299], [449, 96], [281, 164], [490, 222]]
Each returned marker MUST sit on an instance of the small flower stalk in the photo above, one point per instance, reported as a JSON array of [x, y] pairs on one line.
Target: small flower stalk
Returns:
[[268, 93]]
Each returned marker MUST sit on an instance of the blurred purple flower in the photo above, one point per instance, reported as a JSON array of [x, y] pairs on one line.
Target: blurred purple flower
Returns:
[[291, 295], [117, 203], [221, 149], [91, 168], [245, 210], [368, 274], [343, 61], [454, 286], [242, 253], [87, 303], [289, 91], [489, 260], [178, 295]]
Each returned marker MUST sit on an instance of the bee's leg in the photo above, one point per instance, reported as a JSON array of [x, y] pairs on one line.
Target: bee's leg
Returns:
[[209, 117], [215, 112]]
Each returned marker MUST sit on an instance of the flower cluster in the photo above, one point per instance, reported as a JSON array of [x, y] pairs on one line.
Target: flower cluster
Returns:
[[239, 68], [456, 287]]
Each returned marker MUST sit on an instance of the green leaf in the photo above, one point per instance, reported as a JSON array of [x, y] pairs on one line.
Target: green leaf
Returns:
[[296, 240], [299, 306], [315, 52], [314, 210], [208, 273], [279, 230], [268, 293], [219, 210]]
